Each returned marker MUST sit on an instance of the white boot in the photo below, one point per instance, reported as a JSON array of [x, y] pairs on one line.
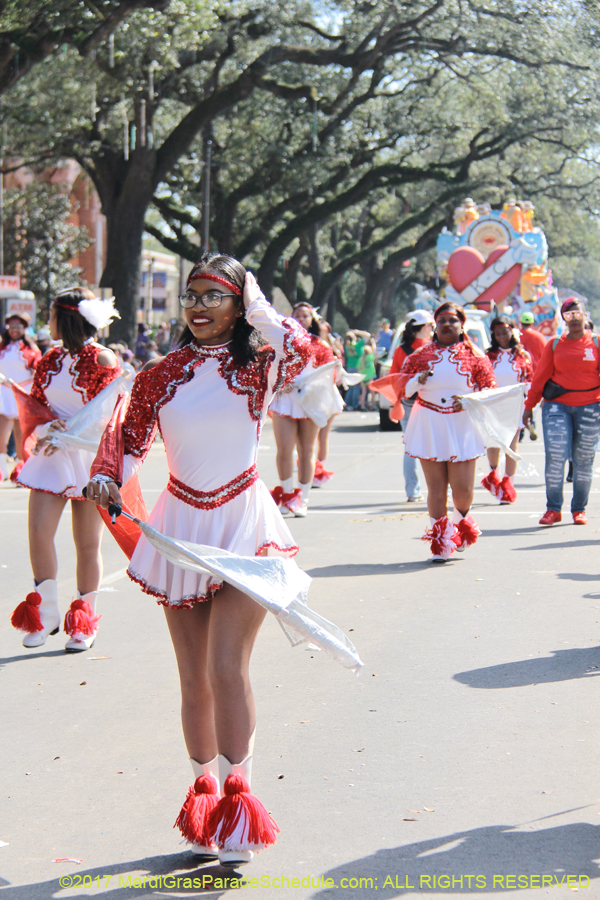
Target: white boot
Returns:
[[466, 530], [206, 852], [81, 623], [242, 823], [441, 536], [40, 608], [5, 466]]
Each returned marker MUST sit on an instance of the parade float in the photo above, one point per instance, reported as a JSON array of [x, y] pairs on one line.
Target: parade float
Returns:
[[498, 262]]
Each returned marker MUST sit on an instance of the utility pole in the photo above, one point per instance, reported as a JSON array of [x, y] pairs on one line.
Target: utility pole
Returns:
[[150, 288], [206, 210]]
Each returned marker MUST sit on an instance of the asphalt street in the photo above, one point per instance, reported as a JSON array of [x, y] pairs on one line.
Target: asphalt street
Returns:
[[463, 758]]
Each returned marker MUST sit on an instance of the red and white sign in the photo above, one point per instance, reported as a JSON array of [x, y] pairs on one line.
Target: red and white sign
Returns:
[[10, 282], [18, 307]]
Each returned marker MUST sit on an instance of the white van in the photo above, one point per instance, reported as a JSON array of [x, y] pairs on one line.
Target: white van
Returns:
[[476, 329]]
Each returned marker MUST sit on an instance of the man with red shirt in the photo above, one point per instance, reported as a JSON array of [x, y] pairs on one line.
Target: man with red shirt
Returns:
[[532, 340], [568, 376]]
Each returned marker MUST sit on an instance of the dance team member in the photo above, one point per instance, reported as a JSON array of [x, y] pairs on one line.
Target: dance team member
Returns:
[[209, 399], [66, 378], [323, 475], [440, 432], [19, 356], [294, 429], [568, 378], [512, 365], [417, 333]]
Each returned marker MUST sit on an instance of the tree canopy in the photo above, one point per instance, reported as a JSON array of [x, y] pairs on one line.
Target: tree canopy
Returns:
[[343, 133]]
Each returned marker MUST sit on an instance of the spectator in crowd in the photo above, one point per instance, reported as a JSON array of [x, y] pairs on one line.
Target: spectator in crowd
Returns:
[[163, 338], [417, 332], [141, 344], [568, 378], [366, 367], [44, 341], [384, 338], [354, 344], [532, 340]]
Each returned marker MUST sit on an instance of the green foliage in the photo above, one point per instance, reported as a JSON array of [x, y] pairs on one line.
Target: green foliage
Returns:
[[39, 241]]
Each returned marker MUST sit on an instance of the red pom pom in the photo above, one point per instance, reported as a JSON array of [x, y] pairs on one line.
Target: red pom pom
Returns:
[[81, 619], [192, 820], [467, 532], [277, 495], [16, 471], [26, 616], [240, 821], [443, 537]]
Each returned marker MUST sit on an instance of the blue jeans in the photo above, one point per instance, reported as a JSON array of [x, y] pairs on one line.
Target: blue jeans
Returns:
[[570, 432], [352, 397], [411, 472]]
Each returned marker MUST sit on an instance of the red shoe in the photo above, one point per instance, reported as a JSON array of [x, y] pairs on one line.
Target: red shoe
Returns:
[[321, 476], [550, 517], [507, 492], [277, 495], [579, 518], [293, 505], [491, 483]]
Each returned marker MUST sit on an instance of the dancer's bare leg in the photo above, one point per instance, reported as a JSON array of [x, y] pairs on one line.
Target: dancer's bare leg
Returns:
[[436, 476], [189, 632], [307, 439], [461, 476], [6, 426], [286, 435], [323, 444], [87, 535], [510, 466], [18, 439], [45, 511]]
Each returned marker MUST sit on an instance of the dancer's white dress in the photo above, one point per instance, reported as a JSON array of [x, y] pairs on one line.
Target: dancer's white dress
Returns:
[[17, 362], [64, 384], [285, 402], [510, 367], [435, 431], [210, 413]]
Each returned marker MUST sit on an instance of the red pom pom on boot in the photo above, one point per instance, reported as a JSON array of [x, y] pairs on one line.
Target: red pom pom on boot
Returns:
[[38, 614], [491, 483], [322, 475], [277, 495], [81, 623], [202, 798], [466, 531], [443, 538], [240, 823], [507, 492]]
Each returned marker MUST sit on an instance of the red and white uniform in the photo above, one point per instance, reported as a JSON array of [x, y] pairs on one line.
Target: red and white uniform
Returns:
[[17, 361], [64, 384], [210, 413], [510, 367], [285, 402], [435, 430]]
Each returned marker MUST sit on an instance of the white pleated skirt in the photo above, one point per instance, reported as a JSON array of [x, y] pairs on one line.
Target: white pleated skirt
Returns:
[[249, 525], [442, 437], [284, 403], [65, 473]]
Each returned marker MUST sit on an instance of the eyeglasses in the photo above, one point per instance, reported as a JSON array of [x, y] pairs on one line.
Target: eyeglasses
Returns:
[[571, 314], [209, 300]]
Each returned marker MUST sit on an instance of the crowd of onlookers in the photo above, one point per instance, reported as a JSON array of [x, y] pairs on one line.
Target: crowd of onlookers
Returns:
[[360, 351]]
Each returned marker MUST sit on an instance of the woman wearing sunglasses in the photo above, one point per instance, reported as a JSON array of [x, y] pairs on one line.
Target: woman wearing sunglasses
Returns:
[[209, 399], [568, 379]]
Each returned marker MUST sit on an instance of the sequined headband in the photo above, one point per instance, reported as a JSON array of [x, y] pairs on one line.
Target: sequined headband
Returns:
[[210, 277]]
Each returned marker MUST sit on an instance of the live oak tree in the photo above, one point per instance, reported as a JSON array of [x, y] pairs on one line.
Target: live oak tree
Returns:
[[132, 115]]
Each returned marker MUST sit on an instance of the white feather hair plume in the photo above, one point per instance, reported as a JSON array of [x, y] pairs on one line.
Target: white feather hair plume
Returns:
[[97, 312]]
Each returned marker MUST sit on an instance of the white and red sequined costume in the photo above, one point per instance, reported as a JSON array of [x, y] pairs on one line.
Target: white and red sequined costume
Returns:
[[64, 384], [18, 362], [210, 412], [285, 402], [510, 367], [435, 431]]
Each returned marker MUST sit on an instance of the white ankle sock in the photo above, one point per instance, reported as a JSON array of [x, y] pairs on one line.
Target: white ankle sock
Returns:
[[288, 485], [305, 488]]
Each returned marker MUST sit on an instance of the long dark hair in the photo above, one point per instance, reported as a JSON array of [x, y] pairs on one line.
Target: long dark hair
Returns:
[[411, 329], [314, 327], [5, 338], [514, 344], [246, 340], [73, 329]]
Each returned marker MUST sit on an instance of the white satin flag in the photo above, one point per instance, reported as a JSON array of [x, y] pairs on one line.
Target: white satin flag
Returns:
[[497, 413]]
